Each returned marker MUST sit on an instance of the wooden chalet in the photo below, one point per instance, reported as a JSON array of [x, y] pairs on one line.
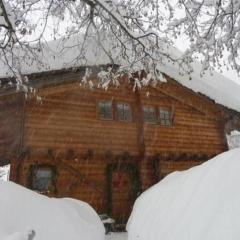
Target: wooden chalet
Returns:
[[106, 147]]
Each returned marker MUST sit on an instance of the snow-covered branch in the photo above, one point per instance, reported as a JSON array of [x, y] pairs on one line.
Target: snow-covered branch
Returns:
[[212, 27], [135, 34]]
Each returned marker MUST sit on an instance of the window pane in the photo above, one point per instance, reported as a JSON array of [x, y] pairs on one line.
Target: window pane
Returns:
[[42, 180], [124, 112], [105, 109], [149, 114], [120, 111], [128, 112], [165, 116]]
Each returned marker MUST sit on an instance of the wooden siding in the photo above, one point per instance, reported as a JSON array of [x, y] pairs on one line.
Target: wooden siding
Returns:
[[80, 178], [11, 120], [71, 121], [63, 128], [190, 130]]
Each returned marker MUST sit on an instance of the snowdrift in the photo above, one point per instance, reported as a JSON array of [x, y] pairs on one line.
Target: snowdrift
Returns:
[[26, 215], [202, 203]]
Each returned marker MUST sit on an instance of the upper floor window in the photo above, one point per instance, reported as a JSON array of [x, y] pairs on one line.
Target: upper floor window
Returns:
[[105, 110], [165, 116], [149, 114], [43, 179], [124, 112]]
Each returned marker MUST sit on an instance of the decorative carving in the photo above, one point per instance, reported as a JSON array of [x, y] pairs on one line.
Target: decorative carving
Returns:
[[109, 155], [125, 156], [70, 154], [50, 153], [89, 154]]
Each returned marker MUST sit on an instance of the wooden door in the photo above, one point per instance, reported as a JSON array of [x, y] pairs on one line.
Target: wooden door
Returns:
[[121, 195], [123, 188]]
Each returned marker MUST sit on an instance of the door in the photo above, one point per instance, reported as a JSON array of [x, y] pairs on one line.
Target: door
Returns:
[[123, 184]]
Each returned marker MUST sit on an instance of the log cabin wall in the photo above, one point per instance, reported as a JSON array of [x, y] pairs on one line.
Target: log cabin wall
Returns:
[[63, 128], [70, 120], [11, 126], [192, 133]]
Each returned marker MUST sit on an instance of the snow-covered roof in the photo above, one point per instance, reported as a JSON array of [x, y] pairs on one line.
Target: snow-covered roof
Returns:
[[59, 54], [212, 84]]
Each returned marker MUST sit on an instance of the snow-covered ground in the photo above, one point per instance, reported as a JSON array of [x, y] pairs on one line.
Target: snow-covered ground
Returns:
[[116, 236], [200, 203], [14, 226], [26, 215]]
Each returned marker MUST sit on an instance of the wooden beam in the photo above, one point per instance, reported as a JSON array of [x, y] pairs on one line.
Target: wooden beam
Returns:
[[81, 176], [140, 125]]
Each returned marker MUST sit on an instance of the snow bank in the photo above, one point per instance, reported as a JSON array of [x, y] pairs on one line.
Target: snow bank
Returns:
[[116, 236], [201, 203], [26, 215], [233, 139]]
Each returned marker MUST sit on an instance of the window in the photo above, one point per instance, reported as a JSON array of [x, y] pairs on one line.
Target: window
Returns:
[[43, 179], [105, 110], [165, 116], [149, 114], [124, 112]]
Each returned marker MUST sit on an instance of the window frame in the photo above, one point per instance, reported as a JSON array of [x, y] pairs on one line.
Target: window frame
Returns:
[[130, 109], [170, 119], [32, 176], [155, 113], [99, 110]]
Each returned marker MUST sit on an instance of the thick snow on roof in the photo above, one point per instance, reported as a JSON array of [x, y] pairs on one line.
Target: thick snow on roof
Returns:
[[200, 203], [212, 84], [26, 215], [63, 54], [59, 54]]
